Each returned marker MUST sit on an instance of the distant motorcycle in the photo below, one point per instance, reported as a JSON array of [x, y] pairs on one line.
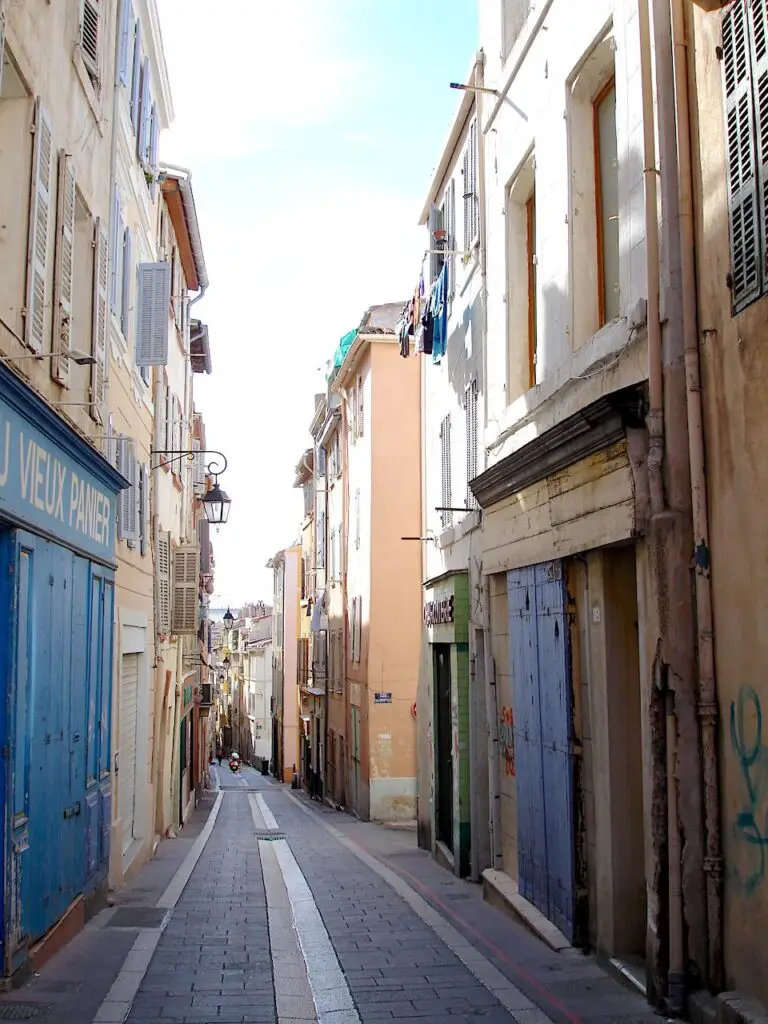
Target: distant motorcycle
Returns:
[[234, 762]]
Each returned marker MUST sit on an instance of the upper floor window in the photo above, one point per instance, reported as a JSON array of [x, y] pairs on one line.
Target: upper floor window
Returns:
[[446, 489], [521, 282], [745, 68], [513, 16], [607, 202], [471, 198], [90, 38]]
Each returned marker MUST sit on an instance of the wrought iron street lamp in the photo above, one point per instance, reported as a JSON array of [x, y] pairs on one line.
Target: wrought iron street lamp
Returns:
[[229, 618], [215, 501]]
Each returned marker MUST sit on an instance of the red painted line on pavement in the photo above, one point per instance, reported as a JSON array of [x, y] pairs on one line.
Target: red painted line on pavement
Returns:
[[552, 1001]]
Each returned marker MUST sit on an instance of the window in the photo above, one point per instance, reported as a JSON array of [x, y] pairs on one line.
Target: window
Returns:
[[446, 516], [125, 296], [470, 409], [303, 579], [436, 227], [355, 627], [309, 495], [128, 501], [471, 203], [533, 340], [64, 271], [513, 16], [357, 519], [90, 37], [320, 656], [320, 541], [302, 664], [448, 214], [607, 202], [136, 80], [332, 556], [520, 220], [360, 407], [334, 459], [745, 68]]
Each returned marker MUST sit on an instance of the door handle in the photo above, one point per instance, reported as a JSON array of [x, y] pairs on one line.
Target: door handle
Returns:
[[72, 812]]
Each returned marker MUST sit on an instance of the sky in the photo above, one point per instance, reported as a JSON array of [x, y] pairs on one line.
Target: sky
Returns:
[[312, 129]]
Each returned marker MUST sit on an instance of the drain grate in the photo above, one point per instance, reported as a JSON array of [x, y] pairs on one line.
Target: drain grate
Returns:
[[269, 836], [137, 917], [22, 1011]]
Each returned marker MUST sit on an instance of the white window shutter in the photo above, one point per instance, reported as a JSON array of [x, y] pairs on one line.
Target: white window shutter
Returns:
[[125, 296], [63, 271], [136, 79], [163, 571], [153, 296], [99, 319], [40, 210], [186, 583], [90, 33], [126, 26]]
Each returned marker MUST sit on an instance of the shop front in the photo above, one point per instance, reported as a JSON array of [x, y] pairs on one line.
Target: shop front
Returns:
[[58, 500], [446, 620]]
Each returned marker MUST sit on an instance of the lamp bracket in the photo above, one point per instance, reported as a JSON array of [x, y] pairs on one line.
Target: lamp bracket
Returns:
[[176, 455]]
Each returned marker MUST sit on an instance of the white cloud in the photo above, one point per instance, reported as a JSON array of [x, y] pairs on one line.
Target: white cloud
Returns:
[[255, 67]]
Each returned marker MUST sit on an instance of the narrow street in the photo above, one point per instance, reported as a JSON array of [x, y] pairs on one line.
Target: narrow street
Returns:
[[282, 910]]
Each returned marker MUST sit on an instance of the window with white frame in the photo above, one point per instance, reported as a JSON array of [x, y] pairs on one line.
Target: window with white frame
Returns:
[[90, 38]]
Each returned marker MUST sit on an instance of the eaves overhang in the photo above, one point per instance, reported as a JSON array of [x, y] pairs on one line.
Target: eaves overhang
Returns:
[[585, 433]]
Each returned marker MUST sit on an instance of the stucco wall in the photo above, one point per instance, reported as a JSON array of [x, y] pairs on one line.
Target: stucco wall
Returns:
[[735, 385], [292, 612]]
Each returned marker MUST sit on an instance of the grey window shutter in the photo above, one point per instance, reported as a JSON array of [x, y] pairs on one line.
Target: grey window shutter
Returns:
[[153, 296], [63, 271], [136, 79], [474, 202], [470, 406], [435, 223], [126, 29], [321, 540], [128, 501], [186, 579], [450, 227], [145, 115], [154, 138], [163, 573], [125, 297], [143, 508], [446, 518], [742, 178], [40, 210], [90, 34], [758, 20], [199, 472], [99, 320]]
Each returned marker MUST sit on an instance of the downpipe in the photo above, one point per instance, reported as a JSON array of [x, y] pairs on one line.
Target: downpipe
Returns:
[[707, 682]]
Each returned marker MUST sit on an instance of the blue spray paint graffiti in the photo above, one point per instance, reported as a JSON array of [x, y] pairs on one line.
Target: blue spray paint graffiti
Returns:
[[750, 829]]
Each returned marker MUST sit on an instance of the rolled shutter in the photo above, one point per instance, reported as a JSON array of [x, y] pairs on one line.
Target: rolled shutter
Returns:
[[153, 297], [63, 271], [743, 211], [40, 209], [99, 320]]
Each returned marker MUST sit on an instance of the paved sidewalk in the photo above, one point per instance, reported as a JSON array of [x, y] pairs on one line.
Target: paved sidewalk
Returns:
[[289, 912]]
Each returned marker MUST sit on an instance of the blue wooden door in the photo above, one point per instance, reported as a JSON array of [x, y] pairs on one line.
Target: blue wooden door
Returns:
[[542, 706]]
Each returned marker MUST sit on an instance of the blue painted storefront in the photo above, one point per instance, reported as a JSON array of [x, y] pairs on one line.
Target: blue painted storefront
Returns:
[[58, 499], [540, 663]]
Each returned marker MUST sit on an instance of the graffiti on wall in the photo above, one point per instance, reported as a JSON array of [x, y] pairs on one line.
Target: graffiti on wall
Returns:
[[507, 740], [750, 827]]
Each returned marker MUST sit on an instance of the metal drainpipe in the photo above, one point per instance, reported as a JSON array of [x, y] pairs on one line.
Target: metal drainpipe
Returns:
[[492, 712], [707, 683], [655, 377], [655, 462]]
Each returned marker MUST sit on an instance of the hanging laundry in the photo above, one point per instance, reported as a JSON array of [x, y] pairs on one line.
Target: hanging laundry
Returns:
[[438, 304], [403, 329], [427, 330]]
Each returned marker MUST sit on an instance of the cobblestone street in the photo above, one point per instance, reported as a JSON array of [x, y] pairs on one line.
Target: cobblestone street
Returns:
[[285, 911]]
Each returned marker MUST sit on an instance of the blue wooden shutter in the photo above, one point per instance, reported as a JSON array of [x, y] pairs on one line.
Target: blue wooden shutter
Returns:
[[126, 27], [152, 299], [740, 141]]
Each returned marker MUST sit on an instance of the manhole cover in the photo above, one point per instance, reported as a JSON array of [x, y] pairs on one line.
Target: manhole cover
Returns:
[[22, 1011], [137, 917], [263, 834]]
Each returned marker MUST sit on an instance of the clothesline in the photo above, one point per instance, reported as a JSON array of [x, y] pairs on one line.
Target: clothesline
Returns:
[[427, 326]]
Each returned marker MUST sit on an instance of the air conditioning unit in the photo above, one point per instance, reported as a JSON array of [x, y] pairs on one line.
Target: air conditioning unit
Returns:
[[206, 694]]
